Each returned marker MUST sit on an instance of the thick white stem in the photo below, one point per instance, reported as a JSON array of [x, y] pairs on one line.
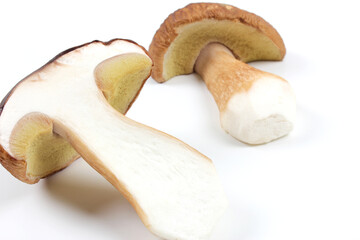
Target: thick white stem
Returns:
[[255, 107], [174, 188]]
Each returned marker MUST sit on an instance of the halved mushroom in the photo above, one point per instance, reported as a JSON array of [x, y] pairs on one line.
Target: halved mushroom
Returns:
[[216, 41], [61, 110]]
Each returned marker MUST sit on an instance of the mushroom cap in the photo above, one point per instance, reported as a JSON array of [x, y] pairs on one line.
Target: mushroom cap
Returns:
[[179, 40], [12, 123]]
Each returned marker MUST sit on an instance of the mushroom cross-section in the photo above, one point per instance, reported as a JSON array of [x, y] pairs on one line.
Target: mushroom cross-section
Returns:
[[216, 41], [73, 105]]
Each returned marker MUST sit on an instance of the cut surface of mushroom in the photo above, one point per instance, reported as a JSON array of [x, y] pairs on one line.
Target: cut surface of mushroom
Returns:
[[120, 86], [174, 189], [216, 41]]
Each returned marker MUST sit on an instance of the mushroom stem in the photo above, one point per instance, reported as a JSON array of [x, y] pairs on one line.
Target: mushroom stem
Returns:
[[255, 106], [223, 73], [145, 165]]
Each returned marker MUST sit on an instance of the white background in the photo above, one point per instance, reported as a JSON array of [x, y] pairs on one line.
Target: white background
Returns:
[[303, 186]]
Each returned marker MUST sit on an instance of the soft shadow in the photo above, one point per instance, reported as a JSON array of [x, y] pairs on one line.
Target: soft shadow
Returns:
[[87, 193], [84, 195]]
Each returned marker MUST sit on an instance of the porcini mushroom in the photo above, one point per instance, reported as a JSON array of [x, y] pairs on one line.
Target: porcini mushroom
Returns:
[[63, 109], [216, 41]]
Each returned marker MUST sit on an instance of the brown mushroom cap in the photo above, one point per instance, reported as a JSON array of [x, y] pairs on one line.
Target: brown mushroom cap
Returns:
[[179, 40]]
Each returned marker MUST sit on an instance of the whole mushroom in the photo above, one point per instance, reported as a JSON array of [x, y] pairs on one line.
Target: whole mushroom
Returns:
[[216, 41]]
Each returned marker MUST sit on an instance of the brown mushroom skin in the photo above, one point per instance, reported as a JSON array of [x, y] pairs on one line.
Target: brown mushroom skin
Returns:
[[17, 167], [223, 74]]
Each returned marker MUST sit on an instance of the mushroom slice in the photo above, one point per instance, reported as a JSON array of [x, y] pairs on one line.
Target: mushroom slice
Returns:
[[74, 104], [216, 41]]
